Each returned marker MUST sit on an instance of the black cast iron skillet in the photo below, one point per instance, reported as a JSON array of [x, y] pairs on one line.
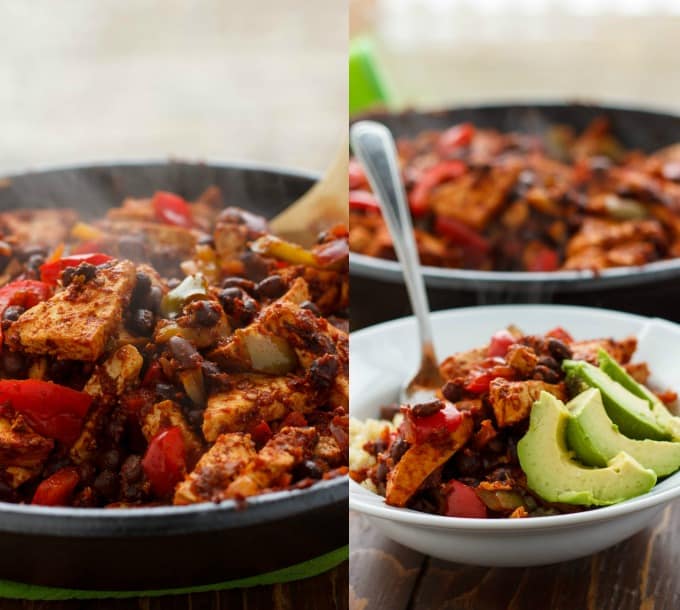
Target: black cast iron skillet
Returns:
[[653, 289], [165, 547]]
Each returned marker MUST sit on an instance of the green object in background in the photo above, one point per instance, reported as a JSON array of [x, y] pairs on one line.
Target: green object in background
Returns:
[[15, 590], [366, 86]]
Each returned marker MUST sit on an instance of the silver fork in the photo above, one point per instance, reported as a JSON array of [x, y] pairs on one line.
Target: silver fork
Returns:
[[374, 147]]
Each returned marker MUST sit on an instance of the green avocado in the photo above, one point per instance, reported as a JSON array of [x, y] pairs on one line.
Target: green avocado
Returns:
[[595, 439], [554, 476], [663, 416], [629, 412]]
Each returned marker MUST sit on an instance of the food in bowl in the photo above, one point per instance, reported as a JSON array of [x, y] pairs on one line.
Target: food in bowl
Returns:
[[486, 200], [170, 352], [527, 425]]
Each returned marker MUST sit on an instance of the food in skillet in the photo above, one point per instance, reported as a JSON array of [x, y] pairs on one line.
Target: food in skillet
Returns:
[[526, 425], [486, 200], [171, 352]]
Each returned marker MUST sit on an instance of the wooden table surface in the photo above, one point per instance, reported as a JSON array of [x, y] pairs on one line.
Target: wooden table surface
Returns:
[[640, 573], [327, 591]]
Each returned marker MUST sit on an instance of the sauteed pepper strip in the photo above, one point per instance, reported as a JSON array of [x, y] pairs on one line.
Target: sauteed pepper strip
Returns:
[[56, 490], [165, 461], [50, 272], [52, 410]]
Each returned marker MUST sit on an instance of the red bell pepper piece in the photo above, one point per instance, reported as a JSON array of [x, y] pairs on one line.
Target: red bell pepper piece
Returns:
[[261, 433], [295, 419], [57, 489], [559, 333], [164, 463], [478, 382], [430, 428], [172, 209], [455, 137], [50, 272], [26, 293], [363, 201], [431, 177], [357, 178], [500, 343], [460, 234], [545, 259], [462, 501], [53, 410]]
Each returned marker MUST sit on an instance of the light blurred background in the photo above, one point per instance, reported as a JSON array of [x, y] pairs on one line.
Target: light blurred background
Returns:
[[259, 80], [447, 52]]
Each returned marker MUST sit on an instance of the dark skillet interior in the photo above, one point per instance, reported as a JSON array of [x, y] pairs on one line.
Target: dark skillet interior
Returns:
[[651, 291], [165, 547]]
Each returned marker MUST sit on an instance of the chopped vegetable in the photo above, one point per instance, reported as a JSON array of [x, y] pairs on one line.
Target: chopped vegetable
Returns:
[[462, 501], [500, 343], [431, 177], [172, 209], [52, 410], [430, 428], [50, 272], [479, 382], [57, 489], [192, 288], [164, 463]]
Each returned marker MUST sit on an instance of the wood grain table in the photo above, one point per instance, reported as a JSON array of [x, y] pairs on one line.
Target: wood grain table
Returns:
[[326, 591], [640, 573]]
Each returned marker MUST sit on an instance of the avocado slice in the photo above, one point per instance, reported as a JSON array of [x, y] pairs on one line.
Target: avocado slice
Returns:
[[595, 439], [554, 476], [663, 416], [629, 412]]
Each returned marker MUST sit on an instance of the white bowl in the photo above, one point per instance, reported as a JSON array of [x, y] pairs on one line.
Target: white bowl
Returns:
[[384, 356]]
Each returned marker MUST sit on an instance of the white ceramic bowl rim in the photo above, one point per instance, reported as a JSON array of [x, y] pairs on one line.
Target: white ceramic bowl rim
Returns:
[[364, 501]]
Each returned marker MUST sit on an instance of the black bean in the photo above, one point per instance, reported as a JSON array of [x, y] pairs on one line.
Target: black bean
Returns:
[[155, 298], [468, 464], [256, 224], [184, 352], [543, 373], [239, 282], [271, 287], [194, 417], [110, 460], [558, 349], [86, 270], [397, 449], [132, 247], [452, 391], [142, 322], [207, 313], [13, 363], [381, 472], [87, 472], [309, 306], [254, 266], [106, 484], [13, 312], [7, 494], [132, 469], [424, 409], [210, 369], [142, 288], [550, 362], [67, 276], [227, 297], [311, 469], [249, 307]]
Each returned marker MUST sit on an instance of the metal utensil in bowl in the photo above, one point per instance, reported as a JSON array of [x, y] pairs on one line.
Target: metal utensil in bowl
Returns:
[[374, 146]]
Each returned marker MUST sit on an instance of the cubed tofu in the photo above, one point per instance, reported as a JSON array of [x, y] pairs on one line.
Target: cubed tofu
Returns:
[[522, 358], [252, 398], [216, 469], [420, 461], [462, 363], [476, 197], [512, 400], [285, 450], [230, 240], [328, 450], [119, 372], [76, 323], [48, 227], [280, 338], [20, 445], [166, 414], [622, 351]]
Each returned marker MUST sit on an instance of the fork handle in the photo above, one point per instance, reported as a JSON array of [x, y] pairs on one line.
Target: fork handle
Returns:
[[374, 145]]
